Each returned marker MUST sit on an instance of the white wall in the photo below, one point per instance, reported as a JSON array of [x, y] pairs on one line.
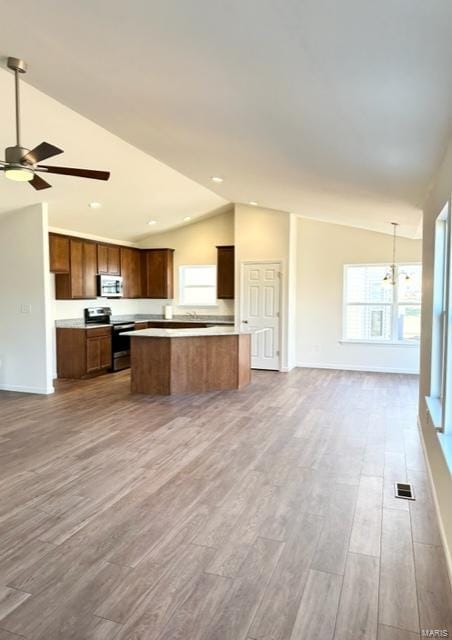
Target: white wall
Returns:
[[440, 473], [25, 323], [323, 249], [196, 243], [263, 235]]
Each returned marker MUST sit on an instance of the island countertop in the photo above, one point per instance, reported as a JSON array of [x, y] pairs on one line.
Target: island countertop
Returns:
[[188, 333]]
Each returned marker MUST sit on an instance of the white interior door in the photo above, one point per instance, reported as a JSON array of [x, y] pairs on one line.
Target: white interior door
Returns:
[[260, 310]]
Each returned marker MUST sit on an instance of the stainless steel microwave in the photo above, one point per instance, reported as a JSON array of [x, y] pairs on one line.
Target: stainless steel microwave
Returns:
[[109, 286]]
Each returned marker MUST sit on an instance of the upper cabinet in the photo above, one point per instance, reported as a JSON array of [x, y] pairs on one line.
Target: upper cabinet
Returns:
[[80, 282], [157, 273], [59, 253], [108, 260], [225, 272], [131, 272], [146, 273]]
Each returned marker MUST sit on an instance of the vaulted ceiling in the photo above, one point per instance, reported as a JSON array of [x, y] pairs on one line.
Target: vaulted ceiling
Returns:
[[339, 111]]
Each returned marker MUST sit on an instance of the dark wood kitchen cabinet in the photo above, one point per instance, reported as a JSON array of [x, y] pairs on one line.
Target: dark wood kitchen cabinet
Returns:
[[157, 273], [82, 353], [146, 273], [59, 253], [108, 260], [98, 353], [80, 282], [225, 272], [131, 272]]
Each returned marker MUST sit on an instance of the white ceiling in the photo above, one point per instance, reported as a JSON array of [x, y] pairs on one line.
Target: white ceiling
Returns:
[[140, 188], [335, 110]]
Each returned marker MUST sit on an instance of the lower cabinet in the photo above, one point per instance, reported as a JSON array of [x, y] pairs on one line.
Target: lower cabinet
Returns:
[[98, 353], [83, 352]]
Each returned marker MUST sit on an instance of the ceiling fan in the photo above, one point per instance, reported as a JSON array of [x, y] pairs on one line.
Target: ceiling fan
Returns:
[[21, 164]]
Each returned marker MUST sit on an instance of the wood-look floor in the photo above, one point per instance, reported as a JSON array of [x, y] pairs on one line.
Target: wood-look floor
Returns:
[[262, 514]]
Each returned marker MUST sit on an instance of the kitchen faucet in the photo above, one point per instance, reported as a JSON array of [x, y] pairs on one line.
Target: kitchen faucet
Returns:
[[192, 314]]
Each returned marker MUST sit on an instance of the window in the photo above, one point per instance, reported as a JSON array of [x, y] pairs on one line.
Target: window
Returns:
[[374, 312], [198, 285], [440, 322]]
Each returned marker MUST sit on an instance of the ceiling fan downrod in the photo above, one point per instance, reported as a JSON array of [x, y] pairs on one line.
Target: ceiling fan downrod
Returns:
[[18, 66]]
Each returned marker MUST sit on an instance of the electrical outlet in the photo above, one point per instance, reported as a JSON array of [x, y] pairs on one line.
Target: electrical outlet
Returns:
[[25, 308]]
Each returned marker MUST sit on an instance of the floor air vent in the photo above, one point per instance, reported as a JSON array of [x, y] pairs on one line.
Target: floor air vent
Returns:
[[404, 490]]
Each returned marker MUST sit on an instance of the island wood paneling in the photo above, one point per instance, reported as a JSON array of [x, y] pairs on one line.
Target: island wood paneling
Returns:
[[189, 364]]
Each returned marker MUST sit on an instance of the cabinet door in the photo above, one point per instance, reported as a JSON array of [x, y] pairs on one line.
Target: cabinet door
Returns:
[[108, 260], [89, 269], [159, 273], [113, 265], [225, 272], [126, 270], [93, 354], [76, 248], [105, 352], [59, 253], [131, 272], [102, 258]]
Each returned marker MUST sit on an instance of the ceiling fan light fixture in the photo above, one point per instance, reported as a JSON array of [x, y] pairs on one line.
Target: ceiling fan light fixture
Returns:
[[19, 174]]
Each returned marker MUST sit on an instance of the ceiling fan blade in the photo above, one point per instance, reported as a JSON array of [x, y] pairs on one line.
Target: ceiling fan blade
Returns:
[[38, 183], [41, 152], [80, 173]]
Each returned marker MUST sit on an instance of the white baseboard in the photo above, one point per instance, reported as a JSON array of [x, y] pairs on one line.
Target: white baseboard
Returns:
[[447, 550], [287, 369], [20, 389], [355, 367]]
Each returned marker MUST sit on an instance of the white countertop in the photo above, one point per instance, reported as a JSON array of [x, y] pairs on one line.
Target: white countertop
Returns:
[[187, 333]]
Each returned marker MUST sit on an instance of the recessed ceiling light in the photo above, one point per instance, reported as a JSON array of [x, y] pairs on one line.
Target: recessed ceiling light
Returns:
[[94, 205], [253, 203], [217, 179], [152, 222], [187, 218]]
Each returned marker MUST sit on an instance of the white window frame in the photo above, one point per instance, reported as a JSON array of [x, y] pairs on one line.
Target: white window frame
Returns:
[[439, 401], [394, 305], [183, 286]]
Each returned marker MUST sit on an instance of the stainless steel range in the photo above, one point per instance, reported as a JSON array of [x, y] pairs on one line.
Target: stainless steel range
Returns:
[[120, 344]]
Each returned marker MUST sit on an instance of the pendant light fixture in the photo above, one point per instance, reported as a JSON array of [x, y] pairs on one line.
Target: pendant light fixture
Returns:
[[391, 274]]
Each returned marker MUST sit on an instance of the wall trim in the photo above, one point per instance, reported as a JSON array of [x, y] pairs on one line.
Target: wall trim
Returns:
[[447, 551], [20, 389], [357, 367], [92, 236]]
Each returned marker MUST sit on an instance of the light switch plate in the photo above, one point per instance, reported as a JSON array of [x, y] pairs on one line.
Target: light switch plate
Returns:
[[25, 308]]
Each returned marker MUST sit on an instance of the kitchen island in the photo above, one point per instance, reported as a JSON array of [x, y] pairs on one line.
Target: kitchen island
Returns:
[[176, 361]]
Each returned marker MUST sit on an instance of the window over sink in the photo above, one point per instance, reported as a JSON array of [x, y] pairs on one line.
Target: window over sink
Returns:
[[198, 285]]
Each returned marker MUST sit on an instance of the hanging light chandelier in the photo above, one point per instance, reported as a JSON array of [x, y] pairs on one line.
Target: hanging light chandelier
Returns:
[[391, 274]]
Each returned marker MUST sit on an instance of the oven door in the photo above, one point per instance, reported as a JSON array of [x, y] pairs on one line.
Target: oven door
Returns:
[[121, 346]]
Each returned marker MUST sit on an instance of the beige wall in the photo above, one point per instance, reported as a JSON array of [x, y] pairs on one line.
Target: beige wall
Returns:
[[441, 476], [263, 235], [323, 250], [196, 244]]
